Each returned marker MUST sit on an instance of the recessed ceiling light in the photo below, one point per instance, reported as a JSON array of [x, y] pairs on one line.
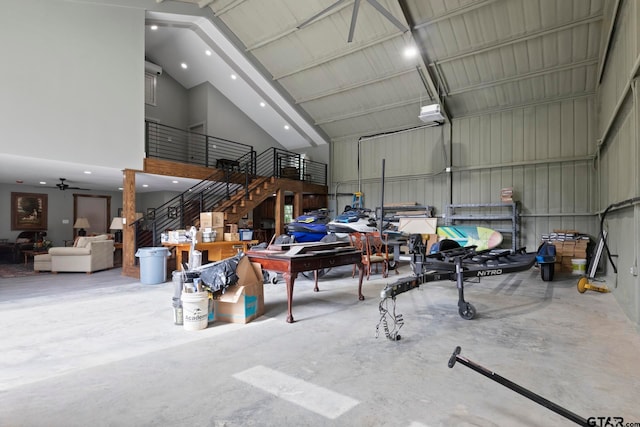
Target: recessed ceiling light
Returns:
[[120, 188], [154, 27], [184, 66], [410, 52], [43, 182], [145, 185], [233, 77], [286, 127], [87, 172], [207, 52], [262, 104], [174, 181]]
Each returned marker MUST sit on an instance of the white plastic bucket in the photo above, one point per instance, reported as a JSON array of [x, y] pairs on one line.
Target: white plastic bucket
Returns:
[[579, 266], [195, 310]]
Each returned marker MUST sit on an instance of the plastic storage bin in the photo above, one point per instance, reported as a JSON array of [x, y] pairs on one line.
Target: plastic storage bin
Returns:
[[153, 265], [245, 234]]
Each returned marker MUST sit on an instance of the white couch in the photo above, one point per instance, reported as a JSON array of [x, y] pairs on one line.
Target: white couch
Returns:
[[89, 254]]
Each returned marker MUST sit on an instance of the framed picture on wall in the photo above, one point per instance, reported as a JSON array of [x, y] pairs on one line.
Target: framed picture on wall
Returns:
[[172, 212], [28, 211]]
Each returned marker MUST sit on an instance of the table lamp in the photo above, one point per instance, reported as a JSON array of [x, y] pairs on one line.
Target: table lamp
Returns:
[[82, 223], [116, 224]]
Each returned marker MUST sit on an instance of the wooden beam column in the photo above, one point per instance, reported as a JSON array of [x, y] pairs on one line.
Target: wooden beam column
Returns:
[[279, 212], [297, 204], [129, 267]]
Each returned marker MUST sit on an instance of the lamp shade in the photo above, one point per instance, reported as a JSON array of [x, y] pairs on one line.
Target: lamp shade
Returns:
[[81, 223], [116, 223]]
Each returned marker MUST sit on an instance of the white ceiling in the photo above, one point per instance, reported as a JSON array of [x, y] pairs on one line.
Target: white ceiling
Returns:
[[477, 57]]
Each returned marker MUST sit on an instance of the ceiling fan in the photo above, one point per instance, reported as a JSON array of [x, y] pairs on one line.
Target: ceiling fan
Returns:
[[64, 186], [354, 16]]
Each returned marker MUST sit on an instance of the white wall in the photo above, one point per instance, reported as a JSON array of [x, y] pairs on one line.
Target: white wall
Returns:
[[72, 82], [172, 103], [225, 120]]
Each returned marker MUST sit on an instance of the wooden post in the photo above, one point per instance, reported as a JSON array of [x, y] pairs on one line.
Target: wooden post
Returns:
[[279, 212], [129, 267], [297, 204]]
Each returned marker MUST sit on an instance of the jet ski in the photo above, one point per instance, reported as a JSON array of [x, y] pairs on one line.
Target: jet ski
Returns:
[[311, 227], [352, 220]]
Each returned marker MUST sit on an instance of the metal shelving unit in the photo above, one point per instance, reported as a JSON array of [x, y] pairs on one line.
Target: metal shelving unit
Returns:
[[486, 213]]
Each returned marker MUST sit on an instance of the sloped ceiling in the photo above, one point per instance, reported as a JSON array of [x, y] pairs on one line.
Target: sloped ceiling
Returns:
[[476, 56]]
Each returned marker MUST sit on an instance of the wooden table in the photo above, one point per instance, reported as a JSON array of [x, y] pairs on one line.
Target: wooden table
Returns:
[[32, 253], [216, 251], [291, 265], [117, 248]]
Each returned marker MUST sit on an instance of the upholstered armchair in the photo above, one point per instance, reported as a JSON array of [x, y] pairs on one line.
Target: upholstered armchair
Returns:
[[89, 254]]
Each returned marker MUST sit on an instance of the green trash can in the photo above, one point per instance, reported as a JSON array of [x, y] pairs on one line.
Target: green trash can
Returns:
[[153, 265]]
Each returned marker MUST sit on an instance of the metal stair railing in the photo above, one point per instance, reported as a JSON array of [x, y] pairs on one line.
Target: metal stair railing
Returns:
[[174, 144], [165, 142], [185, 208]]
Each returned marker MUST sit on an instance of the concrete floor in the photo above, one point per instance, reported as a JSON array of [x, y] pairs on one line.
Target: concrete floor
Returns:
[[102, 350]]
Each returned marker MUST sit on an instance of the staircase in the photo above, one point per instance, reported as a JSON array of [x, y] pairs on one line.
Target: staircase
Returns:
[[241, 203], [236, 186], [235, 200]]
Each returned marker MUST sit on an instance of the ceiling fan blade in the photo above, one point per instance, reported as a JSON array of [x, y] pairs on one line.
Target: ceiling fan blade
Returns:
[[354, 17], [317, 15], [388, 15]]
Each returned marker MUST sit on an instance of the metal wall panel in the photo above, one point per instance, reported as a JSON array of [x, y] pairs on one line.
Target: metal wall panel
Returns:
[[414, 168], [539, 151], [619, 155], [542, 151], [622, 55]]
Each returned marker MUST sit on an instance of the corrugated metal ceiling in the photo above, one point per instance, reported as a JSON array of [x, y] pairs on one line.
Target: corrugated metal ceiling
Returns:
[[483, 55]]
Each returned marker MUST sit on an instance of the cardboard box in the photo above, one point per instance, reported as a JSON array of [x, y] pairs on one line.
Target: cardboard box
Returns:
[[506, 194], [429, 240], [231, 237], [418, 225], [211, 219], [219, 234], [244, 301]]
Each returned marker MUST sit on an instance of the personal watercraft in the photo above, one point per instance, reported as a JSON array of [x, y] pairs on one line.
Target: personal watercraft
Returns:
[[311, 227], [352, 220]]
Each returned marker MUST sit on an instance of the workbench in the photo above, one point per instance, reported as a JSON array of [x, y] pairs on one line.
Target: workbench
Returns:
[[313, 259], [216, 251]]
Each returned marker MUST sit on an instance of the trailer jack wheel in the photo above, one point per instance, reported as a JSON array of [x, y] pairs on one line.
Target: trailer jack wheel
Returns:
[[582, 285], [467, 311]]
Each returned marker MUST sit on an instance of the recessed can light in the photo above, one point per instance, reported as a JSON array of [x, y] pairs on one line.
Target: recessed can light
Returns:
[[43, 182], [286, 127], [262, 104], [184, 66], [207, 52], [410, 52], [233, 77], [145, 185], [174, 181], [154, 27], [87, 172]]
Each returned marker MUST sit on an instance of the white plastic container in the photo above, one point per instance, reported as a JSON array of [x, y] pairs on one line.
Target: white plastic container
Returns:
[[195, 310], [579, 266]]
